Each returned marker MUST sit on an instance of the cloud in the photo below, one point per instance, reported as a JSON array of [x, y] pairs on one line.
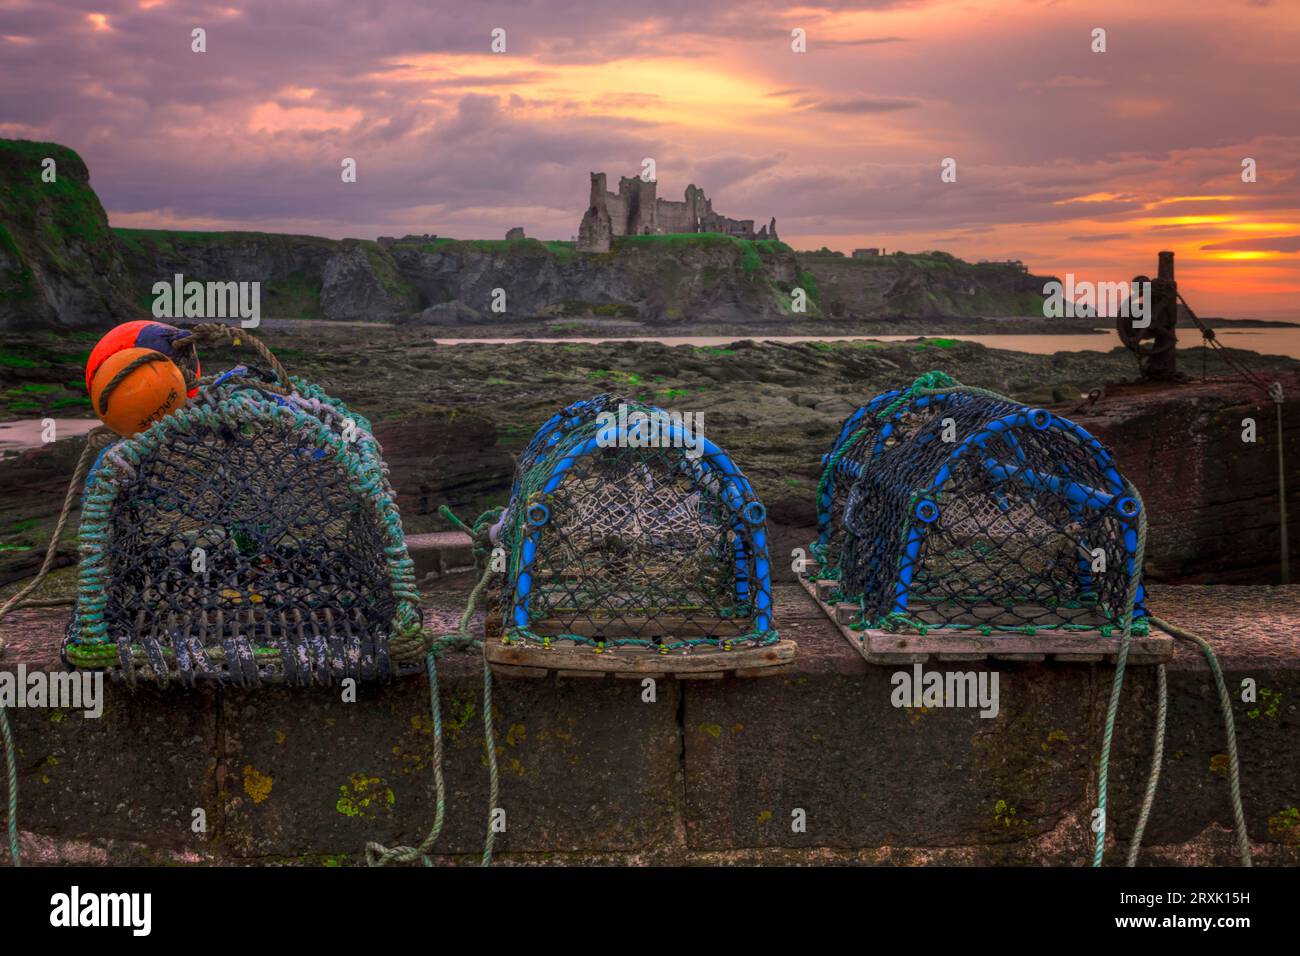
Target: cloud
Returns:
[[1282, 244], [1101, 237], [863, 41], [1064, 156], [861, 104]]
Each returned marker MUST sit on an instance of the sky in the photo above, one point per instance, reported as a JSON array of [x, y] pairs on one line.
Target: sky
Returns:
[[1071, 160]]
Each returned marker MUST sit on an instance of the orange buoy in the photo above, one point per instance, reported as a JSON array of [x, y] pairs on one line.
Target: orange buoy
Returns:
[[145, 334], [135, 387]]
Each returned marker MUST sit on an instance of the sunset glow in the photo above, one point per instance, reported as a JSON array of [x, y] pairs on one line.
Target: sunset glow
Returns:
[[1069, 160]]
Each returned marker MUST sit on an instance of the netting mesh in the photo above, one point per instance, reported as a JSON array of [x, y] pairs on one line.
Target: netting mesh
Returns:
[[968, 510], [843, 465], [614, 540], [251, 536]]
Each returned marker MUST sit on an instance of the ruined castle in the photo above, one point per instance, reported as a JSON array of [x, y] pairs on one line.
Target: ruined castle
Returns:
[[635, 210]]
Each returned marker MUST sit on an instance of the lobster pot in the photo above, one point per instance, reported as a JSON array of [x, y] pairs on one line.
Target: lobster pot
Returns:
[[959, 510], [251, 536], [626, 527], [842, 466]]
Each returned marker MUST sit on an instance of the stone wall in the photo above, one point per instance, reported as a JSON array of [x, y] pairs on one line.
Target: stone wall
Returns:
[[710, 771]]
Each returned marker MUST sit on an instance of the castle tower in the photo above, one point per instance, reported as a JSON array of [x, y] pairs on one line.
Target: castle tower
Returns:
[[639, 198], [596, 230], [697, 206]]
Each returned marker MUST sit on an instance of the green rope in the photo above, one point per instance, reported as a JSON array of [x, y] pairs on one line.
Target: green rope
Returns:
[[451, 516], [1157, 756], [1230, 730], [1121, 664], [11, 770], [928, 383], [376, 853], [489, 742], [96, 439]]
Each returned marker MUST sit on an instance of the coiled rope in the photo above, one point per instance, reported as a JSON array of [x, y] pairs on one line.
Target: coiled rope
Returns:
[[380, 855]]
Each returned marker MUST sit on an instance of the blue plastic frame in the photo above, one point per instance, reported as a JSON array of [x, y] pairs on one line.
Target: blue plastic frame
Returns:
[[736, 492]]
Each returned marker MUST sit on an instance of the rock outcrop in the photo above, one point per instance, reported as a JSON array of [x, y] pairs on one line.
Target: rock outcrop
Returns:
[[1211, 497], [358, 282], [922, 285], [59, 264]]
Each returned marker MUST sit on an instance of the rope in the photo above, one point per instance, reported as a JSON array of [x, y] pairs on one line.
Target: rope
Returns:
[[1230, 730], [95, 440], [1157, 757], [211, 333], [1272, 391], [1208, 338], [124, 373], [489, 741], [1121, 663], [1240, 833], [380, 855], [11, 772]]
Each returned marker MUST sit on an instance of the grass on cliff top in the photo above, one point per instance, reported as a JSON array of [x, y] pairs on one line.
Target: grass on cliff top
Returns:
[[517, 247], [140, 241], [934, 259]]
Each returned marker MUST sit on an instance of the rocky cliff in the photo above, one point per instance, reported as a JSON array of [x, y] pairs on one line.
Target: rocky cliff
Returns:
[[59, 262], [656, 279], [922, 285], [700, 279], [301, 276]]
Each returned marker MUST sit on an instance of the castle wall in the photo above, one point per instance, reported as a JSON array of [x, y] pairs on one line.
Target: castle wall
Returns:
[[618, 213], [637, 210], [676, 216]]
